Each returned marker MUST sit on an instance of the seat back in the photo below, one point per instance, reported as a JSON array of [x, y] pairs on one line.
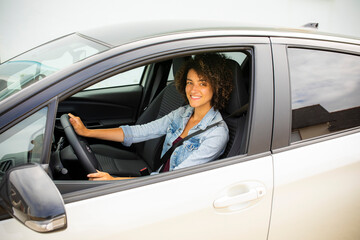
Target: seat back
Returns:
[[238, 98], [168, 100]]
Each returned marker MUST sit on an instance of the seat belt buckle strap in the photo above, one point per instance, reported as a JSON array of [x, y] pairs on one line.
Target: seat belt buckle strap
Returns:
[[144, 172]]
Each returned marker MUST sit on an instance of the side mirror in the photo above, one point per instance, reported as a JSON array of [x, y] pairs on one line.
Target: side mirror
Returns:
[[29, 195]]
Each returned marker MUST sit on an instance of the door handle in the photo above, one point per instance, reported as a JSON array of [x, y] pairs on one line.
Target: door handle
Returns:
[[251, 195]]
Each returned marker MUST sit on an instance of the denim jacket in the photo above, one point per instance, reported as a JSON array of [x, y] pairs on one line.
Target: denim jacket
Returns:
[[201, 148]]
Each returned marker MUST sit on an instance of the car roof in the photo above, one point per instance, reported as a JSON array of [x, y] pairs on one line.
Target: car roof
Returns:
[[119, 34]]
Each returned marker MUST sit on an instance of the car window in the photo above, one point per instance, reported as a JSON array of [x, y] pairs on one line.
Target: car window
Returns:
[[43, 61], [130, 77], [109, 109], [325, 89], [23, 142]]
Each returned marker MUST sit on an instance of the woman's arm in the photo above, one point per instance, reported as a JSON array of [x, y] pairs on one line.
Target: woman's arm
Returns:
[[150, 130], [111, 134]]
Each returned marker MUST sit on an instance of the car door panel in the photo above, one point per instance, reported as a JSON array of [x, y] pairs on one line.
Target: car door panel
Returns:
[[117, 106], [316, 176], [226, 199], [316, 191], [163, 211]]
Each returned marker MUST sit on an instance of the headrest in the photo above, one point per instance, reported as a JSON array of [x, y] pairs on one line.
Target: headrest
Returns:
[[177, 63], [239, 95]]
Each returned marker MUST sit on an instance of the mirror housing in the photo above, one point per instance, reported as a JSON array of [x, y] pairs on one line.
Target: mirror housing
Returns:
[[29, 195]]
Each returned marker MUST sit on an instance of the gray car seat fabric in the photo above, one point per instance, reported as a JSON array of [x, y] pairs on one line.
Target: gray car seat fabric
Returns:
[[238, 98]]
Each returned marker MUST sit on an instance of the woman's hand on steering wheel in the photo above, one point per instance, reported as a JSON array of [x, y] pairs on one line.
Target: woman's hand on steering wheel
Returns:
[[80, 146], [78, 125], [73, 126]]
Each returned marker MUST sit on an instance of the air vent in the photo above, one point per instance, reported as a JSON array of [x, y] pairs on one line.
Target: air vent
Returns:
[[5, 165]]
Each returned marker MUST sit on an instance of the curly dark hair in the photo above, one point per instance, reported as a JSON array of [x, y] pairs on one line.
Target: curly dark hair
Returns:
[[214, 68]]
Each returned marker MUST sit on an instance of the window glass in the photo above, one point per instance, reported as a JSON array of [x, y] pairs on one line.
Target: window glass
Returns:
[[325, 89], [23, 142], [130, 77], [43, 61]]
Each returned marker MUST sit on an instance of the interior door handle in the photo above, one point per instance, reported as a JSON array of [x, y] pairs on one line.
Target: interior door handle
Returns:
[[251, 195]]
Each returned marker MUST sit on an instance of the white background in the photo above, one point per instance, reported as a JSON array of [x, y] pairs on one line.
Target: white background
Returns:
[[25, 24]]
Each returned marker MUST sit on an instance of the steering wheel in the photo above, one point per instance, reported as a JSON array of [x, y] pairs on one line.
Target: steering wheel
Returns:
[[80, 146]]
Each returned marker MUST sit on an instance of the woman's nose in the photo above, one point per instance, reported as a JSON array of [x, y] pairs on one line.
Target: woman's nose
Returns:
[[194, 88]]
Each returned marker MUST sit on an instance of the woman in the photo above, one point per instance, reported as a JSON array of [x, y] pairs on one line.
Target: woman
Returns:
[[206, 83]]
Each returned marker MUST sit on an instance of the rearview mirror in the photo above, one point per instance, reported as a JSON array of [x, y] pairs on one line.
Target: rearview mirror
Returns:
[[29, 195]]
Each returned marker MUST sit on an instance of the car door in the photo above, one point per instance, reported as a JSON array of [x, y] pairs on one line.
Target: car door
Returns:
[[317, 164], [226, 199], [179, 208]]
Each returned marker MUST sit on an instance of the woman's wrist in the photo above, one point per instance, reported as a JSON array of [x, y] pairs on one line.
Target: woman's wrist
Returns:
[[88, 133]]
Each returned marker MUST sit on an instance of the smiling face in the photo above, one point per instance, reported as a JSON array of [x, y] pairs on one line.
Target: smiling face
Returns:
[[198, 91]]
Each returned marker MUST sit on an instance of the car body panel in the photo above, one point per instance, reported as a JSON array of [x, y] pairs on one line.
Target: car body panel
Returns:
[[316, 190], [180, 208], [316, 181], [114, 34]]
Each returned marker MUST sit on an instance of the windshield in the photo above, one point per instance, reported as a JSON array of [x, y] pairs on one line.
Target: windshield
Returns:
[[32, 66]]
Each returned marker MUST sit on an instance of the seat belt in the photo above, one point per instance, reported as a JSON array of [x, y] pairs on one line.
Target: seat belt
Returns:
[[167, 155]]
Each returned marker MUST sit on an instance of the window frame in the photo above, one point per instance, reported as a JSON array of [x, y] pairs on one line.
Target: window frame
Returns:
[[85, 73], [259, 135], [282, 82]]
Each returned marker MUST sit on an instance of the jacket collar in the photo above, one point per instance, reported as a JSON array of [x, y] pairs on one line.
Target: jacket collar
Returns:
[[207, 119]]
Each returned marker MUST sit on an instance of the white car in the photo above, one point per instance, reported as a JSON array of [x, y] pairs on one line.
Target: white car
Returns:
[[291, 169]]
